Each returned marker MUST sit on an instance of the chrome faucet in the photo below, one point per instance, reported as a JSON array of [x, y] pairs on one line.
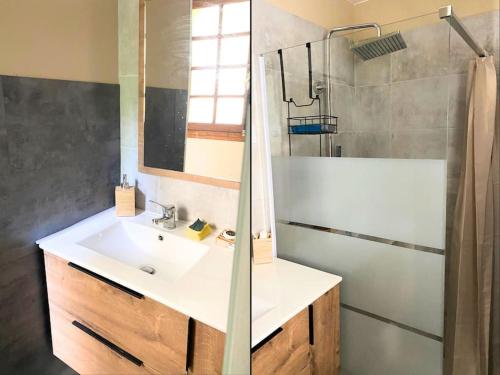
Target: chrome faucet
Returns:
[[167, 220]]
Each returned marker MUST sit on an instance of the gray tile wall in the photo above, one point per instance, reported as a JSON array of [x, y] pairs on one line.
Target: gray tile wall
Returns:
[[59, 162], [399, 107], [411, 104], [269, 36]]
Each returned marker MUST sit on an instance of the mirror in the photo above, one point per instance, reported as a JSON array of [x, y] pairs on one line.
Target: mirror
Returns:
[[194, 89]]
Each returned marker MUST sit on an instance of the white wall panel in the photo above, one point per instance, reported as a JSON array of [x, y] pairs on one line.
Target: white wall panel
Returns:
[[396, 199]]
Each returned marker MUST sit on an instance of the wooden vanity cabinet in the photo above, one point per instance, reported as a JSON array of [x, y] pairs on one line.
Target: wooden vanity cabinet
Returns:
[[325, 349], [99, 327], [207, 350], [306, 344]]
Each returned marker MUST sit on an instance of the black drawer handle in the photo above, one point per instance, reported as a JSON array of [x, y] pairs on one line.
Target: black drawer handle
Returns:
[[136, 361], [266, 340], [311, 325], [131, 292], [190, 344]]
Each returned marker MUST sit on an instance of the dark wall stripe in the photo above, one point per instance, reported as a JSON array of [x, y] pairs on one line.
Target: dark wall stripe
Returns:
[[59, 162]]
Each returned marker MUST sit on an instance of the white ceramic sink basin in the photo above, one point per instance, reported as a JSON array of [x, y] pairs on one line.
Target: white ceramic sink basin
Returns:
[[169, 255], [260, 307], [192, 277]]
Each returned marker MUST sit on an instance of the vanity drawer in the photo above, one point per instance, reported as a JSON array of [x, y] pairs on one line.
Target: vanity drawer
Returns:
[[146, 329], [87, 354], [287, 352]]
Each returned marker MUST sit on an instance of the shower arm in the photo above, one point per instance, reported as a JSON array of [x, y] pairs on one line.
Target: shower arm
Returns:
[[328, 59]]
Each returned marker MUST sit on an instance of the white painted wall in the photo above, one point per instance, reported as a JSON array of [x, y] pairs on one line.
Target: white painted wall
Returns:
[[214, 158]]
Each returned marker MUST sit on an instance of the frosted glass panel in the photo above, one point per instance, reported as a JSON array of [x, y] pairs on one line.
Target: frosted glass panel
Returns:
[[372, 347], [376, 276], [396, 199]]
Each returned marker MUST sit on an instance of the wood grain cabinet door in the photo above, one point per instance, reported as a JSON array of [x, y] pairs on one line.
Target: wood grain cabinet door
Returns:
[[287, 352], [325, 346], [148, 330]]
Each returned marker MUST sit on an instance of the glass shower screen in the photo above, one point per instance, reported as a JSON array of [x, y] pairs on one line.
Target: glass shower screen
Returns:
[[367, 199]]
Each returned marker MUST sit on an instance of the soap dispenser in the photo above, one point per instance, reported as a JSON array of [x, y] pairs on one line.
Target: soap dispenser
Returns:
[[125, 198]]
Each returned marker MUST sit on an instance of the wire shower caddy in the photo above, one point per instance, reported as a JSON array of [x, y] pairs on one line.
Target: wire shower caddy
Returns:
[[316, 124]]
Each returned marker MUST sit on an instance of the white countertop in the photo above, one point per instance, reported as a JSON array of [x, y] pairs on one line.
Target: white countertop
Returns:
[[287, 288], [202, 293]]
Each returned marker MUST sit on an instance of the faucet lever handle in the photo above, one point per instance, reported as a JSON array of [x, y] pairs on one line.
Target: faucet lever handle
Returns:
[[164, 208]]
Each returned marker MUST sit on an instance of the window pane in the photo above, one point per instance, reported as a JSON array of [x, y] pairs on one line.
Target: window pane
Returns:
[[203, 82], [205, 21], [204, 52], [234, 50], [232, 81], [201, 110], [236, 18], [229, 111]]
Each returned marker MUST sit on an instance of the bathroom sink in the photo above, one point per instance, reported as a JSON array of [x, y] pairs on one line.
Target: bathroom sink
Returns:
[[260, 307], [162, 254]]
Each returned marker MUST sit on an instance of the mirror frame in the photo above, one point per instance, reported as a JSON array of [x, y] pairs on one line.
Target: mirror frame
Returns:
[[141, 119]]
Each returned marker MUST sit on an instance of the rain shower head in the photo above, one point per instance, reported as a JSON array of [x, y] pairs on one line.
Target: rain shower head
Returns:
[[381, 45], [366, 49]]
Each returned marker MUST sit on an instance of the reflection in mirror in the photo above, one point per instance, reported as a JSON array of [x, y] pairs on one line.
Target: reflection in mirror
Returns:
[[167, 79], [196, 88]]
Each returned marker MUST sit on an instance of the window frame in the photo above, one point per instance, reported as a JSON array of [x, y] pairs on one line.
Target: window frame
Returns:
[[214, 130]]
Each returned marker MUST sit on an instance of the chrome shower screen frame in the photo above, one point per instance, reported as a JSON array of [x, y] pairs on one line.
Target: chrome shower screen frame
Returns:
[[449, 16]]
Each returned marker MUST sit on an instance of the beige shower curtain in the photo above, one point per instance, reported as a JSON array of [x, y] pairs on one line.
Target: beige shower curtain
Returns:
[[472, 324]]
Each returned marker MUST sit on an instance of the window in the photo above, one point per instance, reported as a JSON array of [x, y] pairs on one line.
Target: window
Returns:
[[220, 50]]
